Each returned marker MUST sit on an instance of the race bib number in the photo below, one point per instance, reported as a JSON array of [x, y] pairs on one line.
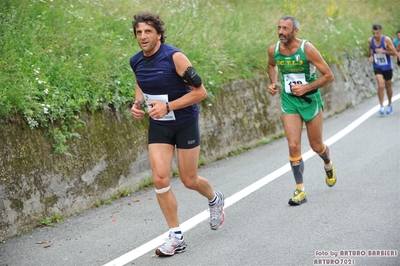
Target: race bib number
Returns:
[[159, 98], [380, 59], [293, 78]]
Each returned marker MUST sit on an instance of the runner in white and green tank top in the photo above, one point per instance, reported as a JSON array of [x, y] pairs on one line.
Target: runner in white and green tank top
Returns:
[[296, 69], [296, 61]]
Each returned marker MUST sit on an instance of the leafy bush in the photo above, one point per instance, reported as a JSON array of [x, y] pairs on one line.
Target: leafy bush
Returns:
[[63, 58]]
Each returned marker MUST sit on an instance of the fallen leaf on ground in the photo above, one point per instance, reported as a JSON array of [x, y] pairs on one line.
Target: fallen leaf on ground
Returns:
[[43, 242]]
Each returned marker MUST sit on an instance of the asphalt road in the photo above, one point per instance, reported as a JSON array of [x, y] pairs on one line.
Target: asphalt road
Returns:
[[355, 222]]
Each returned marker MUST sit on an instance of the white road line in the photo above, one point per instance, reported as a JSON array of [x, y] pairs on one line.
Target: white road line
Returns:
[[195, 220]]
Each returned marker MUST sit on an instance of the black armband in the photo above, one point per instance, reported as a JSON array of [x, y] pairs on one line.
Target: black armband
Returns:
[[191, 77]]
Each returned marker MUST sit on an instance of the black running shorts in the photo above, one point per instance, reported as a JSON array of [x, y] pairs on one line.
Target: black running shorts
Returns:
[[183, 136], [387, 75]]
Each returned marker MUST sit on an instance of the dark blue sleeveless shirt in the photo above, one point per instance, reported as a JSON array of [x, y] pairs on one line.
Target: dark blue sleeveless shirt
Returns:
[[156, 74], [384, 62]]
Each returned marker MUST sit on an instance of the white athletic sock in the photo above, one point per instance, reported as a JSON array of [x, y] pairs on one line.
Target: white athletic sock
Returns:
[[214, 201], [177, 231], [327, 168]]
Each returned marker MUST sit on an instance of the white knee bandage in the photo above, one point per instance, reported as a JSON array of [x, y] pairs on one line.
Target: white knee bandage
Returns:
[[162, 190]]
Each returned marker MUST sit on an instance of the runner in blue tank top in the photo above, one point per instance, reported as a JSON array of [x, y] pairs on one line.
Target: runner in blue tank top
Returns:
[[156, 75], [381, 48], [170, 88]]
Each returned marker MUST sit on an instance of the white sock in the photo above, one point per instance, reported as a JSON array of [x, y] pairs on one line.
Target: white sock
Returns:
[[214, 201], [177, 231]]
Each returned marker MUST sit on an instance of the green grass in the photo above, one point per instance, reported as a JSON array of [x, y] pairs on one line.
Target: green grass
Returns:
[[146, 183], [121, 193], [125, 192], [175, 172], [50, 221], [62, 58]]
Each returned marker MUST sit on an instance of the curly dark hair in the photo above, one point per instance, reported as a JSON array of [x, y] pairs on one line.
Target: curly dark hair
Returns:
[[151, 19]]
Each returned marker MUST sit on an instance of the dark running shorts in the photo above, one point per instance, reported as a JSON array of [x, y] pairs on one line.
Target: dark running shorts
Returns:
[[183, 136], [387, 75]]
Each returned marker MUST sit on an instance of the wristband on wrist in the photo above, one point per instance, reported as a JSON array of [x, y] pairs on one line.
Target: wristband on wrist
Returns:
[[167, 106]]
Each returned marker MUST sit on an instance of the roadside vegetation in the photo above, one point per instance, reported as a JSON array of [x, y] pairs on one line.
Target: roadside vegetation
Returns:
[[64, 58]]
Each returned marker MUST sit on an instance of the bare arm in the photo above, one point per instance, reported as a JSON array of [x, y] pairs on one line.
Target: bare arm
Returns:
[[391, 50], [314, 56], [371, 52], [196, 94], [272, 71], [136, 110]]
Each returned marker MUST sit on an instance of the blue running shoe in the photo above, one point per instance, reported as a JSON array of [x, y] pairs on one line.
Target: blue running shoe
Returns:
[[382, 110], [389, 109]]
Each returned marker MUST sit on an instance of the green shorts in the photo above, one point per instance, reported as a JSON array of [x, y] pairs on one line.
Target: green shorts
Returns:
[[297, 105]]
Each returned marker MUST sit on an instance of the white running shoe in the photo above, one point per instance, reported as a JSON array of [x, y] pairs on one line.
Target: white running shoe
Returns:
[[217, 214], [171, 246]]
